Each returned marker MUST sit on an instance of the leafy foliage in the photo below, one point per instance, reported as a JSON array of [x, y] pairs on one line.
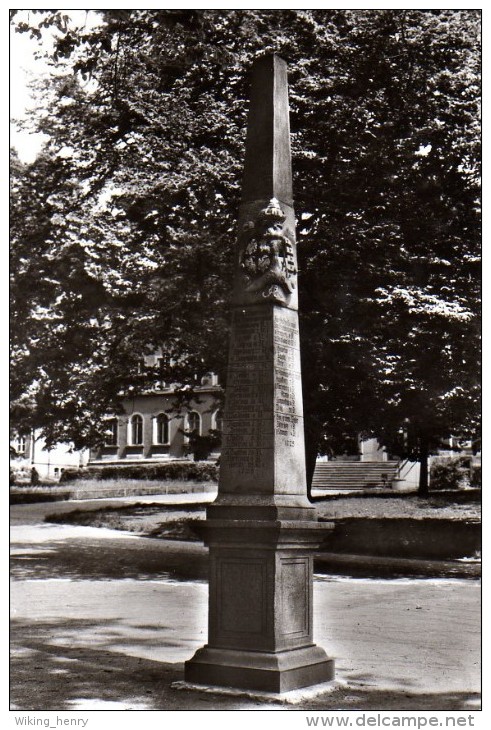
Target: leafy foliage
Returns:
[[202, 446], [128, 239], [476, 477], [448, 473]]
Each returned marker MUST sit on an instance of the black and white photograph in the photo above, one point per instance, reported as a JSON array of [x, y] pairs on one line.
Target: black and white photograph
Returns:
[[245, 366]]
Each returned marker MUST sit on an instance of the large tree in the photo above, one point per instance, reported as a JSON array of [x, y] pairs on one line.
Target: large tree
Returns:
[[394, 258], [145, 119]]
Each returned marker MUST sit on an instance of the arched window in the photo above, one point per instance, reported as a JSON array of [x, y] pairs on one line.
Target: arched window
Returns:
[[161, 434], [111, 432], [20, 444], [136, 430], [218, 420], [194, 422]]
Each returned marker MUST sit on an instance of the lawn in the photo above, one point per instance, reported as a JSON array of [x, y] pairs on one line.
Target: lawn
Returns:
[[100, 488], [175, 521], [407, 506], [150, 520]]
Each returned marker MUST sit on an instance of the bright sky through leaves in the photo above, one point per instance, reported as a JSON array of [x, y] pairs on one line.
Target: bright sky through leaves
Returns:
[[25, 67]]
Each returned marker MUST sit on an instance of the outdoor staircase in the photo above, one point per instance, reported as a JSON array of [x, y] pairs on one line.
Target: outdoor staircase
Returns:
[[354, 474]]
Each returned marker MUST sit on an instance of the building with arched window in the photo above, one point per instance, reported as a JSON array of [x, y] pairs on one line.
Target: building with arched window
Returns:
[[136, 430], [161, 430], [112, 432], [217, 420], [154, 424], [193, 422]]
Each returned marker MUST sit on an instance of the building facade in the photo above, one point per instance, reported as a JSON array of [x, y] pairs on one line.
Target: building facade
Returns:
[[28, 451], [153, 426]]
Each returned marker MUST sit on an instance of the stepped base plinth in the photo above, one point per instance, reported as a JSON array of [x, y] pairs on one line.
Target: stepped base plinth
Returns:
[[261, 671]]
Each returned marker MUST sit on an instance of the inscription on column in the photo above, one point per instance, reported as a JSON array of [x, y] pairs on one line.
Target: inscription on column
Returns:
[[288, 411], [247, 455], [263, 443]]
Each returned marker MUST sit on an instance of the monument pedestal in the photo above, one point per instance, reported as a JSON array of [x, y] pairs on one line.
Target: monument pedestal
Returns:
[[260, 607]]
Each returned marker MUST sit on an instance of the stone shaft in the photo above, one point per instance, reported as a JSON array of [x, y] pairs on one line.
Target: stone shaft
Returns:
[[267, 166], [263, 436], [262, 469]]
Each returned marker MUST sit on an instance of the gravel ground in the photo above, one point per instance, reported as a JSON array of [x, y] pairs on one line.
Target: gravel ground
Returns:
[[103, 620]]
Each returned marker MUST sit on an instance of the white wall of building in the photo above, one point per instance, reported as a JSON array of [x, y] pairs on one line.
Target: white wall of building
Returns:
[[49, 463]]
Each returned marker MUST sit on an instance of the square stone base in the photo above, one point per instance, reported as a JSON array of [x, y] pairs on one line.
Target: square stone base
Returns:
[[262, 671]]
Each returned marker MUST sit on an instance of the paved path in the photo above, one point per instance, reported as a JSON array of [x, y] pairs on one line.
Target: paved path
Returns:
[[104, 620], [35, 513]]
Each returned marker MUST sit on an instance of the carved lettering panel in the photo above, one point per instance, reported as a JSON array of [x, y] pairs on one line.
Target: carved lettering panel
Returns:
[[242, 582], [288, 408], [263, 442], [295, 597], [247, 463]]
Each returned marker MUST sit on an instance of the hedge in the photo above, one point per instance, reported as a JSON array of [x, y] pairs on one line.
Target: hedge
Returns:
[[177, 470]]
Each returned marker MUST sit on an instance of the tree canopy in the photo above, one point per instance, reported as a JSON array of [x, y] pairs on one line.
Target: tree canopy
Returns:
[[123, 228]]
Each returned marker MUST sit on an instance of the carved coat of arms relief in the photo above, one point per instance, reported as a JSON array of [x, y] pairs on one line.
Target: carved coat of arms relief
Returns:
[[267, 258]]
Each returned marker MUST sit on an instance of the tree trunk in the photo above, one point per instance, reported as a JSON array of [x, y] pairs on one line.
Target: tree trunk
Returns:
[[423, 471], [312, 434]]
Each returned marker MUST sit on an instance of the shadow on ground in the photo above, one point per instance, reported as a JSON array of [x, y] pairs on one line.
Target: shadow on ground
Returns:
[[45, 676], [147, 558], [110, 559]]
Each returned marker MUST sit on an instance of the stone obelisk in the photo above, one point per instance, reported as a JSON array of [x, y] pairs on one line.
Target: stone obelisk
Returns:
[[261, 529]]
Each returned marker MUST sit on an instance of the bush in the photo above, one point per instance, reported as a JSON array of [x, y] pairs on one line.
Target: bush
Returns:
[[448, 473], [475, 477], [202, 446], [174, 470], [19, 474], [72, 475]]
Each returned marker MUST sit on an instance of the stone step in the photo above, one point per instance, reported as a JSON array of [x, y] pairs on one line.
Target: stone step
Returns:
[[336, 470], [356, 472], [356, 464], [354, 475]]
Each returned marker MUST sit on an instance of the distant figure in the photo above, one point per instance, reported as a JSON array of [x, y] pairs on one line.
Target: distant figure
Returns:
[[34, 476]]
